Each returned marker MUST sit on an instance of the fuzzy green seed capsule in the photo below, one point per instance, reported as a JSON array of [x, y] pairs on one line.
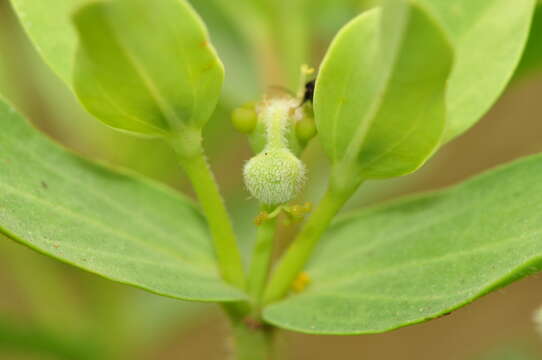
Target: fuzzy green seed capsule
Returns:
[[244, 119], [274, 176], [305, 129]]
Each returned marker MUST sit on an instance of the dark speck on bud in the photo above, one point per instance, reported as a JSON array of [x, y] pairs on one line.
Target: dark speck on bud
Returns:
[[309, 91]]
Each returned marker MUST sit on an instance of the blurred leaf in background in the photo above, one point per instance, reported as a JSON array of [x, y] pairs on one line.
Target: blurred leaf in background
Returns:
[[531, 62], [510, 352], [69, 314]]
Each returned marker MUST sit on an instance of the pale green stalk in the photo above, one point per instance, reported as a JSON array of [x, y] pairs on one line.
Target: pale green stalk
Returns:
[[261, 258], [194, 162], [341, 188], [252, 343]]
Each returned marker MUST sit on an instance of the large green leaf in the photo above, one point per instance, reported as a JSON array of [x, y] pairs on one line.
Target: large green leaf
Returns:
[[154, 85], [420, 258], [379, 100], [488, 37], [50, 28], [48, 25], [113, 224]]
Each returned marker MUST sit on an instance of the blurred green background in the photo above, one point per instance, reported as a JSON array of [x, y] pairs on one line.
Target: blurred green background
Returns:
[[52, 311]]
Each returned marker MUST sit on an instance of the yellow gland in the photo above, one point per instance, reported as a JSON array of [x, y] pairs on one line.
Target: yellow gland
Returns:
[[301, 282], [275, 176]]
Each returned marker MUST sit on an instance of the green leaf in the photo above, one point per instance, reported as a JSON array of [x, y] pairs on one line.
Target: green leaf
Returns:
[[416, 259], [55, 38], [488, 37], [379, 99], [152, 85], [515, 351], [53, 35], [531, 61], [110, 223], [27, 339]]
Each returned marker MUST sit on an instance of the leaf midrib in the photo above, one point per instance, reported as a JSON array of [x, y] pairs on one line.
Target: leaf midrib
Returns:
[[414, 125], [405, 232], [380, 297], [380, 92], [447, 257]]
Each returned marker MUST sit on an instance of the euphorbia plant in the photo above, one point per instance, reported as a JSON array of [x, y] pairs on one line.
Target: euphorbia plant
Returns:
[[397, 82]]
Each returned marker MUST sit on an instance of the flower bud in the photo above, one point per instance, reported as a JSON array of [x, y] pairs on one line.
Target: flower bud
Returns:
[[305, 129], [274, 176], [244, 119]]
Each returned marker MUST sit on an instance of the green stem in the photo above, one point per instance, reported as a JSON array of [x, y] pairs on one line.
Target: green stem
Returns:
[[276, 119], [298, 253], [261, 258], [193, 161], [252, 343]]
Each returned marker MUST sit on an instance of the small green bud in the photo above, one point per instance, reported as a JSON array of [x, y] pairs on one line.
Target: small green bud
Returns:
[[305, 129], [244, 119], [274, 176]]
